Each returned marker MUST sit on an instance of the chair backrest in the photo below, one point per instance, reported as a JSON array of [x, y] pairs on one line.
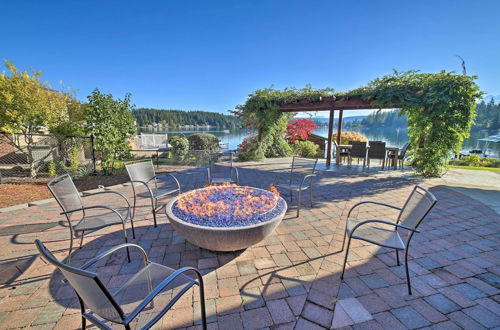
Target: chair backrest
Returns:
[[64, 191], [402, 153], [87, 286], [221, 164], [141, 171], [377, 150], [301, 167], [416, 207], [358, 149]]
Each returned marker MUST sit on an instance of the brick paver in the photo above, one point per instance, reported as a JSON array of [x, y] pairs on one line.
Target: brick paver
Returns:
[[291, 279]]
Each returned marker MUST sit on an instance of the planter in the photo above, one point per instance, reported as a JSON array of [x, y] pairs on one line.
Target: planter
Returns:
[[227, 238]]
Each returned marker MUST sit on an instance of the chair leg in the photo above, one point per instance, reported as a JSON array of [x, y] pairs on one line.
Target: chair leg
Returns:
[[407, 272], [82, 310], [202, 306], [81, 238], [291, 196], [133, 229], [153, 205], [133, 210], [298, 203], [311, 195], [345, 259], [397, 256], [70, 247]]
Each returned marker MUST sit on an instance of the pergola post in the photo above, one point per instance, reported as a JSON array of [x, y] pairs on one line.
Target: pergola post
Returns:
[[330, 133], [339, 130]]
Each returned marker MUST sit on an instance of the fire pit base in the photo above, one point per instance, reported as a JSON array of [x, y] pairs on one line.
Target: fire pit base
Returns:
[[224, 238]]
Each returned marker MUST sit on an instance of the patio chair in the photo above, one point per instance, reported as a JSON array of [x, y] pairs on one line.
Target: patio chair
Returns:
[[414, 210], [221, 170], [358, 150], [343, 153], [301, 177], [67, 196], [132, 304], [401, 156], [376, 151], [142, 174]]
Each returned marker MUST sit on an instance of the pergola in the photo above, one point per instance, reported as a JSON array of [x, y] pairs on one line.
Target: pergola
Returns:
[[331, 103]]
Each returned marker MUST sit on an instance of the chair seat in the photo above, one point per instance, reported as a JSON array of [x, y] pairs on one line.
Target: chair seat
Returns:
[[293, 187], [375, 233], [97, 221], [157, 193], [139, 286]]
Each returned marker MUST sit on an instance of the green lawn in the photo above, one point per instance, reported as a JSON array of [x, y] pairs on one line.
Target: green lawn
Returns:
[[475, 168]]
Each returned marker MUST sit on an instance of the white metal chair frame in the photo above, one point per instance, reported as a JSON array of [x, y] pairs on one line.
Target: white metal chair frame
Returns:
[[154, 196], [412, 230], [305, 184], [229, 179], [68, 213], [125, 319]]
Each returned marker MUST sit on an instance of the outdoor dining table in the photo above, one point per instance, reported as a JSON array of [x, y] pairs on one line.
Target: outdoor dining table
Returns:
[[393, 150]]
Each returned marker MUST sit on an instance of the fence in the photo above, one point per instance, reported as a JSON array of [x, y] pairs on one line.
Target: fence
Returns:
[[39, 157]]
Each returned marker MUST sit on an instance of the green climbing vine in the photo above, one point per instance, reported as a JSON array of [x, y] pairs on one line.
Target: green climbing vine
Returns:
[[440, 109], [261, 112]]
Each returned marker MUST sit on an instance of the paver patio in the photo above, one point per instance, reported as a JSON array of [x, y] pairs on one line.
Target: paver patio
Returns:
[[290, 280]]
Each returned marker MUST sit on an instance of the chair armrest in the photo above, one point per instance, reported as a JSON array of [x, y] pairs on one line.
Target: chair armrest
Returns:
[[114, 249], [145, 184], [310, 177], [159, 288], [175, 180], [109, 192], [237, 175], [384, 222], [96, 207], [370, 202]]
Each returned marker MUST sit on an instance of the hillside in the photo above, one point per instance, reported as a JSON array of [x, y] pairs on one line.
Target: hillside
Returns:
[[174, 118]]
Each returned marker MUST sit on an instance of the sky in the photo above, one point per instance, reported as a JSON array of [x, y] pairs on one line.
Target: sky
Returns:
[[210, 55]]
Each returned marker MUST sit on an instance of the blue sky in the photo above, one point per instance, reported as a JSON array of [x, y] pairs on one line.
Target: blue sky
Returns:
[[210, 54]]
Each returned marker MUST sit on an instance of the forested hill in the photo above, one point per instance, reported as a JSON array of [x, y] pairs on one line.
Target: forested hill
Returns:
[[488, 117], [146, 116]]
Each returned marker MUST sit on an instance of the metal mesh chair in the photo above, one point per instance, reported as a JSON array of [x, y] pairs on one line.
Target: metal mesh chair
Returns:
[[82, 218], [376, 151], [300, 179], [385, 233], [139, 303], [358, 150], [221, 170], [142, 174]]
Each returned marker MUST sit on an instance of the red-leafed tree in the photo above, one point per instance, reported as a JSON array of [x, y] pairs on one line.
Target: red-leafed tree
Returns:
[[299, 129]]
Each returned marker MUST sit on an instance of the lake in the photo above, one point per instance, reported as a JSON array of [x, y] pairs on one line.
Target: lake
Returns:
[[393, 137]]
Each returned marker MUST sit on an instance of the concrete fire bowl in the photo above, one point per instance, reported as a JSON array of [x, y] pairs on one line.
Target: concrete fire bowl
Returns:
[[226, 239]]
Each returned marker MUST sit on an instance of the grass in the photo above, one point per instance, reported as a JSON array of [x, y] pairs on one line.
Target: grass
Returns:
[[475, 168]]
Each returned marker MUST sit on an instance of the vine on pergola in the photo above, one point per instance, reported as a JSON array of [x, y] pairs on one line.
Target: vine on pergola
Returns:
[[440, 109]]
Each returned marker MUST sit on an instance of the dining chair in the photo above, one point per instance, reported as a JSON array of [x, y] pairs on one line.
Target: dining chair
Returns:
[[139, 303], [377, 151], [400, 157], [343, 153], [142, 174], [358, 150], [84, 218], [387, 233]]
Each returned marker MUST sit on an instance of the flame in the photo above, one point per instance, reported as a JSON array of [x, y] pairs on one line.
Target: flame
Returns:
[[217, 200]]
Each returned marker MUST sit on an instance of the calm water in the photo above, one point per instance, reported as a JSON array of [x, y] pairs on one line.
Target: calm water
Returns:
[[393, 137]]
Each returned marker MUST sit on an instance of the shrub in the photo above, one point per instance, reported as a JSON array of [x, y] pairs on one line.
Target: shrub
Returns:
[[203, 141], [307, 149], [345, 137], [74, 163], [180, 146], [51, 168], [250, 149], [477, 161]]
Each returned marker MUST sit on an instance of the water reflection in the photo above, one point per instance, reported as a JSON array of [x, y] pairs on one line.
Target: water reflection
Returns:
[[394, 137]]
